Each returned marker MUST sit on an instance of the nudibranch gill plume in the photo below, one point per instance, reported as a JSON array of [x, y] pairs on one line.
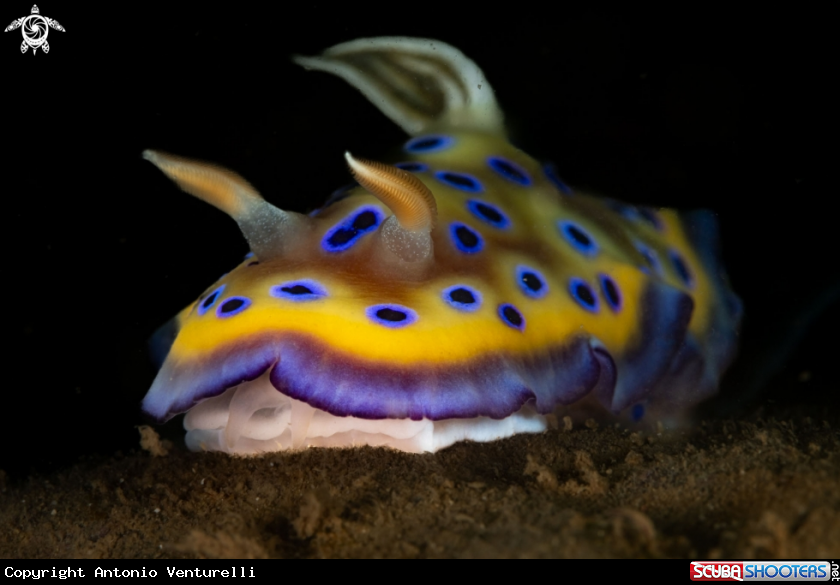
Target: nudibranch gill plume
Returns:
[[463, 292]]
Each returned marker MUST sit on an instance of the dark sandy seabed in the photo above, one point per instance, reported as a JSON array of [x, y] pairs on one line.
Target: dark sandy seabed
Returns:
[[762, 486]]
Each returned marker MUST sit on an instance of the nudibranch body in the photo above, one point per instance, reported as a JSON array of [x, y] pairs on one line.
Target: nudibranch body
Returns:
[[462, 293]]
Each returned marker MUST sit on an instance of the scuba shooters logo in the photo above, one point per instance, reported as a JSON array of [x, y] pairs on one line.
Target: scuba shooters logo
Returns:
[[35, 29], [764, 571]]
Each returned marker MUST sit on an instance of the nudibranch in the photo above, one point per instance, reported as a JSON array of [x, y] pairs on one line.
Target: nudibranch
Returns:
[[463, 292]]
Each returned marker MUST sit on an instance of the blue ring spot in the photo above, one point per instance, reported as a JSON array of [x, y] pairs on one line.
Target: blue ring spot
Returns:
[[344, 235], [462, 297], [412, 166], [431, 143], [509, 170], [583, 294], [466, 239], [511, 316], [551, 174], [681, 268], [611, 292], [626, 211], [488, 213], [232, 306], [644, 215], [208, 301], [637, 412], [248, 255], [578, 237], [460, 181], [652, 218], [531, 282], [651, 258], [299, 290], [394, 316]]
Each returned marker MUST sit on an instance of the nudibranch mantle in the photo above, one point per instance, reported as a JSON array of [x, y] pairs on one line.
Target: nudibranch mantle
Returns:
[[462, 293]]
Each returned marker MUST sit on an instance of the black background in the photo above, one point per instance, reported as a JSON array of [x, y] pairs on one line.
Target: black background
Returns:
[[689, 108]]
